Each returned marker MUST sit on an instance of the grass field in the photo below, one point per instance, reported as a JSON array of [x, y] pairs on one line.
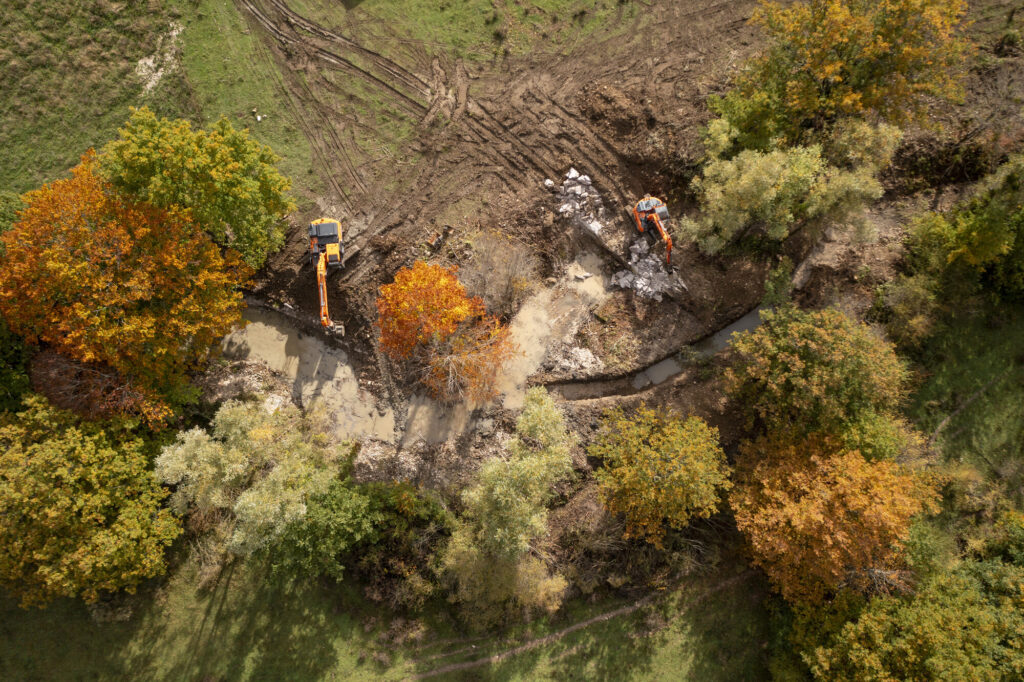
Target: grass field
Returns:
[[230, 73], [69, 77], [246, 628]]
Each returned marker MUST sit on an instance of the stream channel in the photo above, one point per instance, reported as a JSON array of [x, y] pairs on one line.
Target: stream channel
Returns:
[[322, 375]]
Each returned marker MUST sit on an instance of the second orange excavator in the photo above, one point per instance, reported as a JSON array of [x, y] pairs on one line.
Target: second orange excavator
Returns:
[[326, 253], [652, 213]]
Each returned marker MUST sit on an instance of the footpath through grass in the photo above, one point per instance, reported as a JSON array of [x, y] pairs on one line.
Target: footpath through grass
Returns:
[[246, 628]]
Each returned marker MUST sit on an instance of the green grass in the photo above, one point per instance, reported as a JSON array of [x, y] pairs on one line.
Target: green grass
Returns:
[[978, 354], [246, 628], [231, 73], [69, 78]]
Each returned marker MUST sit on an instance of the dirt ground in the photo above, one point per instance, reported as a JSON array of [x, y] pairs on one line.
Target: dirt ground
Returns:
[[486, 135]]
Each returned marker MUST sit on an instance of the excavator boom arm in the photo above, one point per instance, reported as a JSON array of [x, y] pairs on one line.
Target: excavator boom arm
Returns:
[[665, 236], [321, 287]]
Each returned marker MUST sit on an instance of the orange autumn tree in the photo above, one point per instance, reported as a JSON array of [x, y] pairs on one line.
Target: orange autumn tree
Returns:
[[425, 315], [119, 285], [818, 517]]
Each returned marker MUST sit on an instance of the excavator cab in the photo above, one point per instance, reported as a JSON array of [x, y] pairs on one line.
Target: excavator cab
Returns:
[[325, 238], [651, 213], [326, 253]]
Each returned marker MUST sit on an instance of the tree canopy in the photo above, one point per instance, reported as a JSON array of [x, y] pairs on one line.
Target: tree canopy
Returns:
[[226, 180], [831, 59], [107, 280], [260, 466], [659, 470], [505, 511], [965, 625], [817, 516], [816, 370], [426, 315], [80, 512]]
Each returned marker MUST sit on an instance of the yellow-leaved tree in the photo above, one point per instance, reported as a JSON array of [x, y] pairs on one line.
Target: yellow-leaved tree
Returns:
[[660, 470], [830, 59]]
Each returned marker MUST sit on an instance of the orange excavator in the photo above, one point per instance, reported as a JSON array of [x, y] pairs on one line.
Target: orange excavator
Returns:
[[651, 213], [326, 254]]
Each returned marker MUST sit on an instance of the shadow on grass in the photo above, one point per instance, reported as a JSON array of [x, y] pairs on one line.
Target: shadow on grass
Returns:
[[711, 629], [242, 628]]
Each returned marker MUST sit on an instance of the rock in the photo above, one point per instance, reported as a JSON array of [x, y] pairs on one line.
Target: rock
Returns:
[[273, 403], [579, 360], [549, 183], [572, 174], [583, 275]]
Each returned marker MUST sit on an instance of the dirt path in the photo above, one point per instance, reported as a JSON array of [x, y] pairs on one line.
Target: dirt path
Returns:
[[555, 636]]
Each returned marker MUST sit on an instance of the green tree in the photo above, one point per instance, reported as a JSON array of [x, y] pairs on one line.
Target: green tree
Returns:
[[776, 191], [227, 180], [505, 512], [261, 467], [982, 239], [387, 532], [14, 357], [80, 511], [659, 470], [808, 371], [968, 625]]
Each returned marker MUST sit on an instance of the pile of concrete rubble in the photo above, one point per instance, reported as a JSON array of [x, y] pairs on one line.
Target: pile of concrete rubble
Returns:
[[579, 201], [648, 275]]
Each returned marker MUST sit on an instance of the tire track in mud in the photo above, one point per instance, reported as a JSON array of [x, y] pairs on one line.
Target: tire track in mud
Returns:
[[408, 78]]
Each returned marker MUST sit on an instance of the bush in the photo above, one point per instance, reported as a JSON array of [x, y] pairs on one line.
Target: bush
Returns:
[[386, 532], [501, 271], [226, 180], [659, 471], [981, 240], [912, 310], [968, 625], [261, 467], [807, 371], [80, 511], [776, 192], [818, 517]]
